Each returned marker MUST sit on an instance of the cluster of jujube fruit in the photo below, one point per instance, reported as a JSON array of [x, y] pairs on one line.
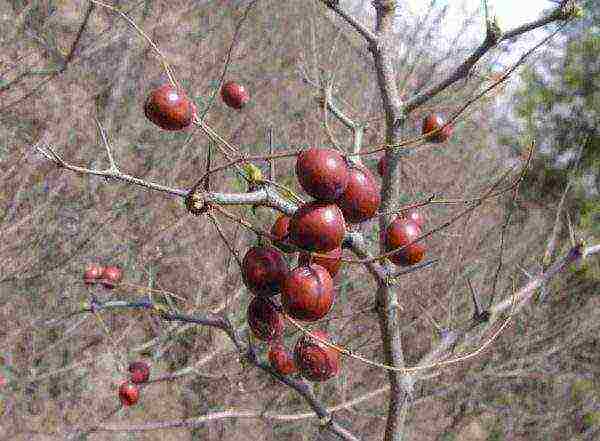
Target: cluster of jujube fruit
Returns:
[[129, 392], [344, 193], [108, 276]]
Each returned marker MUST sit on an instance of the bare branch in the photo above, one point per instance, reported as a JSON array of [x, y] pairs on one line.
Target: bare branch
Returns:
[[358, 27], [493, 37]]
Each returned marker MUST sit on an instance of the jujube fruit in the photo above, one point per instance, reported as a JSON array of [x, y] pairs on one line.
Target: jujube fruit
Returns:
[[307, 293], [264, 320], [93, 273], [322, 173], [169, 108], [317, 226], [263, 270], [129, 393], [360, 200], [332, 261], [315, 360], [139, 372], [234, 95], [432, 122], [112, 276], [281, 359], [400, 233], [280, 231]]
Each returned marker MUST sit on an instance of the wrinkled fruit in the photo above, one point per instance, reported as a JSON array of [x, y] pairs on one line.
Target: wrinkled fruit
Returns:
[[316, 361], [93, 273], [264, 320], [112, 276], [280, 231], [263, 270], [281, 359]]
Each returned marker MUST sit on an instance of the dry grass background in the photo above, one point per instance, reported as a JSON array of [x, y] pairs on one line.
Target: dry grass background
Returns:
[[538, 381]]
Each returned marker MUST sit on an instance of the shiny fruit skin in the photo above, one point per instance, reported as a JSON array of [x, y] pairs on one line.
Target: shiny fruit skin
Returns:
[[281, 359], [280, 231], [316, 361], [264, 320], [112, 276], [322, 173], [307, 293], [139, 372], [93, 273], [433, 122], [169, 108], [129, 394], [361, 199], [416, 216], [331, 263], [317, 226], [400, 233], [234, 95], [263, 270]]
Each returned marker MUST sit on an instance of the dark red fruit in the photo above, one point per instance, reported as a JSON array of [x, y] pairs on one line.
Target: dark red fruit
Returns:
[[281, 359], [316, 361], [416, 216], [433, 122], [234, 95], [263, 270], [331, 263], [317, 226], [280, 231], [93, 273], [169, 108], [322, 173], [400, 233], [264, 320], [307, 293], [129, 393], [139, 372], [112, 276], [360, 201]]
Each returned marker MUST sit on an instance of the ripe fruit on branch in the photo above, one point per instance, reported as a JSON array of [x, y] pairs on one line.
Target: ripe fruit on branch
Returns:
[[281, 359], [399, 233], [322, 173], [263, 270], [307, 293], [331, 263], [93, 273], [317, 226], [112, 276], [234, 95], [169, 108], [416, 216], [316, 361], [129, 393], [264, 320], [139, 372], [360, 201], [280, 231], [433, 122]]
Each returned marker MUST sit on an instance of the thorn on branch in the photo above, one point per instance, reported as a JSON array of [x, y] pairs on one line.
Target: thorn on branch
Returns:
[[493, 32], [480, 315]]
